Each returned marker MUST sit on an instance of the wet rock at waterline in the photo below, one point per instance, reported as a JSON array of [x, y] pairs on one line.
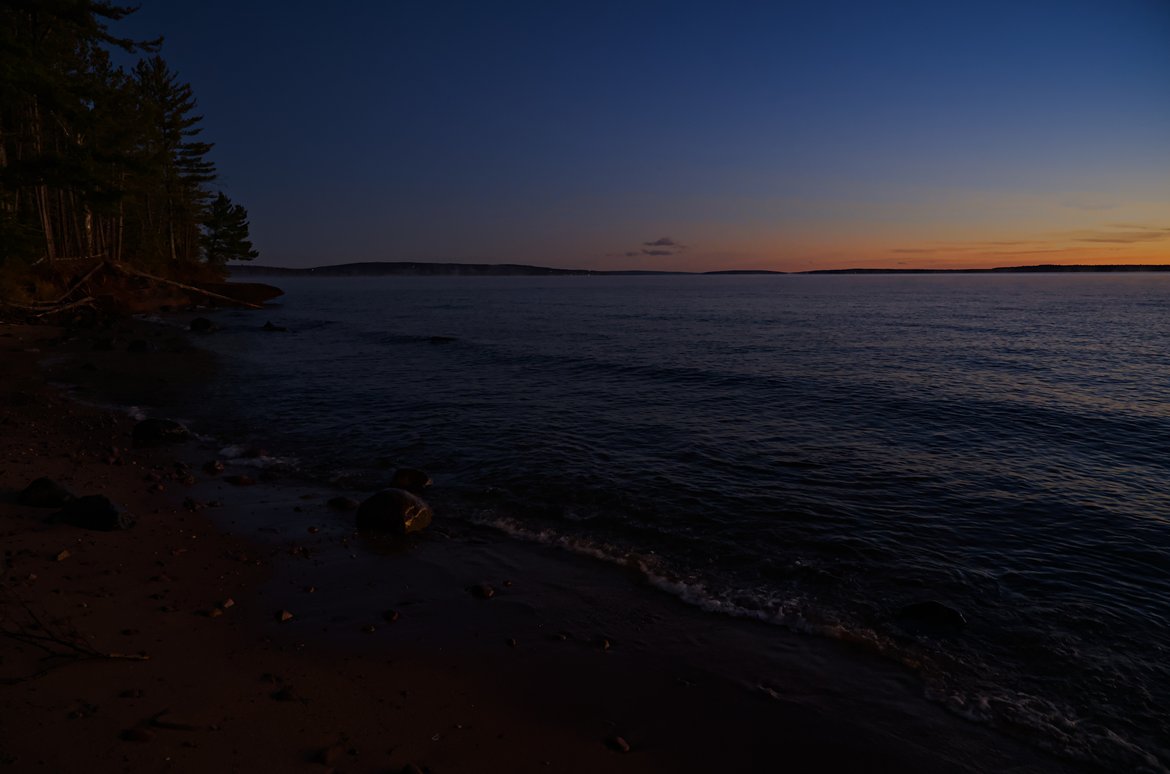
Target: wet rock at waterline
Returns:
[[931, 615], [395, 511], [203, 325], [160, 431], [410, 479]]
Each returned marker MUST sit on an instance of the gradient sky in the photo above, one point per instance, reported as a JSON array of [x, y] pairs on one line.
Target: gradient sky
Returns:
[[686, 135]]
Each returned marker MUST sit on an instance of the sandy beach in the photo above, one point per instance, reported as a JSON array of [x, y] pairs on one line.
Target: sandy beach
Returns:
[[249, 628]]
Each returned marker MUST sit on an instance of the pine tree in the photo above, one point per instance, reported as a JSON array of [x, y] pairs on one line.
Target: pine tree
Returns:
[[225, 233]]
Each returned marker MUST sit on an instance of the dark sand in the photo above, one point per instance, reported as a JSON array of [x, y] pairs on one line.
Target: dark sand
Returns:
[[567, 655]]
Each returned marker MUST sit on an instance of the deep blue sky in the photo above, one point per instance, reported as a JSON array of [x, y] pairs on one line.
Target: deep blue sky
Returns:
[[768, 134]]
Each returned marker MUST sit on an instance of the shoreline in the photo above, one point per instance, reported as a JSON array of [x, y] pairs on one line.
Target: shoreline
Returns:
[[544, 676]]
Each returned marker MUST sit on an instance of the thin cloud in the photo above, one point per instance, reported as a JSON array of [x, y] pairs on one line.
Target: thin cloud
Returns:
[[662, 242], [657, 252]]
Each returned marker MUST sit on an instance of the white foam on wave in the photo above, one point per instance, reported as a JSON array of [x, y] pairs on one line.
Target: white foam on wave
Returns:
[[789, 612], [239, 454], [1054, 727]]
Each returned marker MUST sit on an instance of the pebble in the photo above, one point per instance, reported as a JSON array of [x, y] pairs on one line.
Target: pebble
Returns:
[[482, 591], [390, 616], [283, 616], [64, 555], [618, 744], [369, 628], [136, 735]]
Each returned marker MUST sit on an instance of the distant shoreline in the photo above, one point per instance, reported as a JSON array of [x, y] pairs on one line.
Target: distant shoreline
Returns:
[[422, 269]]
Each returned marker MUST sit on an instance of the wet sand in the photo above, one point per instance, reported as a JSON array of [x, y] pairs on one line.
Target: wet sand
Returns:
[[570, 666]]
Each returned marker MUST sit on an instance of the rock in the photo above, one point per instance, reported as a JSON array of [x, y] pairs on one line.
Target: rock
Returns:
[[44, 493], [617, 744], [343, 503], [394, 510], [160, 431], [932, 614], [512, 642], [136, 735], [95, 512], [213, 467], [268, 326], [481, 591], [63, 555], [203, 325], [369, 628], [390, 616], [283, 616], [240, 480], [410, 479]]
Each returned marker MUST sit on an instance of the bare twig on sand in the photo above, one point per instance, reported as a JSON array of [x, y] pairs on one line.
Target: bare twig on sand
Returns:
[[62, 642]]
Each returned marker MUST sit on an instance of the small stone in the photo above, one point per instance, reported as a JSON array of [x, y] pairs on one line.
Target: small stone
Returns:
[[63, 555], [313, 530], [229, 602], [617, 744], [136, 735], [390, 616], [512, 642], [310, 589], [604, 644], [286, 693], [214, 612], [507, 584], [369, 628], [213, 467], [283, 616], [240, 480], [481, 591]]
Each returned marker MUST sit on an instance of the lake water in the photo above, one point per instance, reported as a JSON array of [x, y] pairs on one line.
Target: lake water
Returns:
[[811, 451]]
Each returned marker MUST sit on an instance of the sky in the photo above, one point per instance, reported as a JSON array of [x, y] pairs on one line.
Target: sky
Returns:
[[686, 135]]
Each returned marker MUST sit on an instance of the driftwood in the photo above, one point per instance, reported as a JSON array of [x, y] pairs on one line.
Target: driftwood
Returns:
[[189, 288], [40, 309], [63, 643]]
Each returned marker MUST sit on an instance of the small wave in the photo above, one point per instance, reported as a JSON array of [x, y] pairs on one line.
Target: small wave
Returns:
[[250, 456]]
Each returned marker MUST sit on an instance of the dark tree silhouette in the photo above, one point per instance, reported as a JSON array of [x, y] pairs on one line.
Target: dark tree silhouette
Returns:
[[225, 233]]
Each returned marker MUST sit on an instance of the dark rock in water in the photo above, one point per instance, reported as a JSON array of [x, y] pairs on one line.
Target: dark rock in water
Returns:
[[442, 339], [44, 493], [140, 345], [481, 591], [344, 503], [160, 431], [410, 479], [95, 512], [932, 614], [240, 480], [203, 325], [394, 510], [268, 326]]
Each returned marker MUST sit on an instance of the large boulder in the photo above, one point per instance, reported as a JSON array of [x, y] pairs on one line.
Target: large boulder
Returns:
[[95, 512], [410, 479], [44, 493], [160, 431], [394, 510]]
